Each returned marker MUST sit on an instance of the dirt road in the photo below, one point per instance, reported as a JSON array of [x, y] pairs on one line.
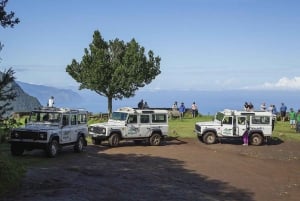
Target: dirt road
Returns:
[[182, 169]]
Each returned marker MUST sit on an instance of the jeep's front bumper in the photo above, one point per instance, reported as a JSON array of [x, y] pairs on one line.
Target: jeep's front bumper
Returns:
[[29, 144], [98, 136]]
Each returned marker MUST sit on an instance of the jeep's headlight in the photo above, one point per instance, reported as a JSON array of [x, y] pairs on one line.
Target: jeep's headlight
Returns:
[[98, 130], [14, 135]]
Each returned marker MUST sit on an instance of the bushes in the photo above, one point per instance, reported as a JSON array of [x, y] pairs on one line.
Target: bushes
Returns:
[[5, 126], [11, 172]]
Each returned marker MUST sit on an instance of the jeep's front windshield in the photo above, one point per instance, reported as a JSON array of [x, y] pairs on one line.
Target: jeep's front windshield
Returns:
[[119, 116], [219, 116], [45, 117]]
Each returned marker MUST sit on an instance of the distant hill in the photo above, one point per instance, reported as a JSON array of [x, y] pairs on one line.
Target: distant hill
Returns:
[[62, 97], [23, 102]]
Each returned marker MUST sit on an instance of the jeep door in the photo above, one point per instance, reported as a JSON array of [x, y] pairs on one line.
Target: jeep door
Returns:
[[132, 126], [227, 126], [241, 125], [145, 125], [66, 129]]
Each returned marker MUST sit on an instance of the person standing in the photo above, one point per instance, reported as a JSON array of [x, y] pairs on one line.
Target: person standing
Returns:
[[194, 110], [146, 106], [141, 104], [292, 116], [246, 134], [298, 121], [263, 106], [51, 101], [283, 109], [182, 110], [174, 106]]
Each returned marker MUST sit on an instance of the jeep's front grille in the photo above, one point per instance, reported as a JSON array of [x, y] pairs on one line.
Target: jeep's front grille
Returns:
[[33, 135], [97, 130], [198, 128]]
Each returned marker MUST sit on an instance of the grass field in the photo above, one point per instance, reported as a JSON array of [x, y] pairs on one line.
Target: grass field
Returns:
[[185, 128]]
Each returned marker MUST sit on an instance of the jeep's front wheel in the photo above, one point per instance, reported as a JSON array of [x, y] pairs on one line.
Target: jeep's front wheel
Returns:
[[16, 150], [114, 140], [209, 138], [155, 139], [52, 149], [78, 147], [256, 139]]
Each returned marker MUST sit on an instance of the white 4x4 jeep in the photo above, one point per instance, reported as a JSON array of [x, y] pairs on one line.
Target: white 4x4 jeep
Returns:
[[132, 124], [233, 124], [51, 128]]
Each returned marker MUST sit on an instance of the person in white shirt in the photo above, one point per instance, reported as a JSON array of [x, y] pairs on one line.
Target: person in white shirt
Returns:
[[51, 101], [194, 110]]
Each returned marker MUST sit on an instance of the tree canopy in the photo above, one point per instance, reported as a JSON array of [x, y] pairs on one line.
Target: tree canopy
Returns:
[[7, 94], [114, 69], [7, 19]]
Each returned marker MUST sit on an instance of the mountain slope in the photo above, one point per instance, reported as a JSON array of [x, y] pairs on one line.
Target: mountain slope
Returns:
[[62, 97]]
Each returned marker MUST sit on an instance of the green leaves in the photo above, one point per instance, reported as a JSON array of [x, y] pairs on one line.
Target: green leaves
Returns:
[[114, 69]]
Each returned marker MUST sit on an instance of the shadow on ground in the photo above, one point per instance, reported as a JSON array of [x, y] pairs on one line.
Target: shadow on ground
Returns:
[[94, 176]]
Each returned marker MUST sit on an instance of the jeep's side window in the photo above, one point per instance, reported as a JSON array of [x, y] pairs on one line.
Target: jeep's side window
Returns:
[[73, 119], [132, 119], [82, 119], [260, 120], [159, 118], [145, 118], [65, 120], [241, 120], [227, 120]]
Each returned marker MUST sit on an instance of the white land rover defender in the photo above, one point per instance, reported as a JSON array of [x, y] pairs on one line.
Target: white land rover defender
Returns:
[[132, 124], [233, 124], [51, 128]]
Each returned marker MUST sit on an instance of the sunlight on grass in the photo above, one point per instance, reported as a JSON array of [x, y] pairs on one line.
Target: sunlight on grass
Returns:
[[185, 128]]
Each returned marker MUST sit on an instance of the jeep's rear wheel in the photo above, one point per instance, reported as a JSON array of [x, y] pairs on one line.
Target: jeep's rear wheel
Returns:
[[78, 147], [209, 138], [256, 139], [155, 139], [52, 149], [114, 140], [16, 150]]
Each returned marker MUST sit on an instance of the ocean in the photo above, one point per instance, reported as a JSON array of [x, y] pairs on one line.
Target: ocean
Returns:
[[208, 102]]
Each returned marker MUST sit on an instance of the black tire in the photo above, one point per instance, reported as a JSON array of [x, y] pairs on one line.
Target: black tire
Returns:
[[96, 141], [78, 147], [16, 149], [155, 139], [114, 140], [209, 138], [52, 149], [256, 139]]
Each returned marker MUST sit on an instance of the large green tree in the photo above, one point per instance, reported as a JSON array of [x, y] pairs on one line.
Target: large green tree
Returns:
[[7, 94], [114, 69]]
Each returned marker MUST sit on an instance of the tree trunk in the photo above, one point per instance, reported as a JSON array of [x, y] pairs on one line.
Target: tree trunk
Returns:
[[109, 105]]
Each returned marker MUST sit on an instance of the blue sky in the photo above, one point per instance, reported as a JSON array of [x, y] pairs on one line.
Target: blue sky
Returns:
[[203, 44]]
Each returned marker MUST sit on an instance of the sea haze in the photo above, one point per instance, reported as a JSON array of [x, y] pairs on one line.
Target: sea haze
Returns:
[[209, 102]]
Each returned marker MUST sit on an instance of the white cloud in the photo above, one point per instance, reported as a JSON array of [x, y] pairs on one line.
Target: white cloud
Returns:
[[283, 83]]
